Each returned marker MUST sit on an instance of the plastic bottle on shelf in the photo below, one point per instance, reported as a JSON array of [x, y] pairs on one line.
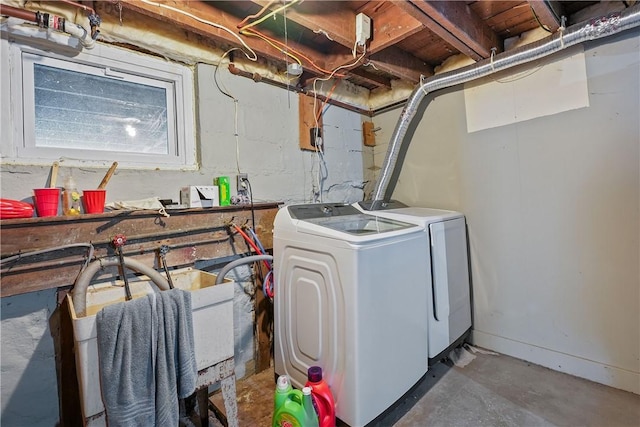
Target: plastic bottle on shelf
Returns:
[[293, 408], [223, 189], [323, 401], [70, 198]]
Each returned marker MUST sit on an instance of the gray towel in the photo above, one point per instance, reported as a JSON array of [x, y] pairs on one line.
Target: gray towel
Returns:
[[147, 360]]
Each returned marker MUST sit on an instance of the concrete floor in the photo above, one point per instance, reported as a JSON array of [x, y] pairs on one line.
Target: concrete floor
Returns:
[[492, 390], [498, 390]]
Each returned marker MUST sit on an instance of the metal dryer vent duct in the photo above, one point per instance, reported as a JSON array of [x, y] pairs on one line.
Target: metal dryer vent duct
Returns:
[[578, 33]]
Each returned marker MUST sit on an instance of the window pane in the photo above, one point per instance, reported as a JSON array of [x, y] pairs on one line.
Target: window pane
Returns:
[[84, 111]]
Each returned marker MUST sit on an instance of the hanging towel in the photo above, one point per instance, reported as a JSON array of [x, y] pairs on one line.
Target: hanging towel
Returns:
[[146, 358]]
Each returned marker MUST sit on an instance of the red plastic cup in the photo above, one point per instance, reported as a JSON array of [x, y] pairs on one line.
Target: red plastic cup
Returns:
[[46, 201], [93, 201]]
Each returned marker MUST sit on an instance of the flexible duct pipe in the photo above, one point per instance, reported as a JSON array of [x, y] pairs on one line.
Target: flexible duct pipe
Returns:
[[79, 292], [242, 261], [594, 29]]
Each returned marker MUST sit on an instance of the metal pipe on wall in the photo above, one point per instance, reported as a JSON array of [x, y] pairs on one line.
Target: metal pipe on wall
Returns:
[[16, 12], [578, 33]]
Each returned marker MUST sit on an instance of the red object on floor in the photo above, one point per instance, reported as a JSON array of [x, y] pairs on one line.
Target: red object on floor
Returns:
[[322, 398]]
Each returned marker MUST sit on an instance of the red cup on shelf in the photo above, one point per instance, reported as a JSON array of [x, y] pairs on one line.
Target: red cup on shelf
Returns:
[[93, 201], [46, 201]]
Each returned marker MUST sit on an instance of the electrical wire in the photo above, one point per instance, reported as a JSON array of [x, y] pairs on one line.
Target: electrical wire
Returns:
[[320, 150], [265, 7], [272, 13], [326, 99], [235, 106], [256, 240], [315, 92], [253, 57], [252, 32], [256, 33], [535, 15], [253, 216], [267, 281], [267, 285], [248, 30], [252, 244]]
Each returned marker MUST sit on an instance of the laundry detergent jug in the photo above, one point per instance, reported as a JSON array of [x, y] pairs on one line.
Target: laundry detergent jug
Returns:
[[323, 401], [293, 408]]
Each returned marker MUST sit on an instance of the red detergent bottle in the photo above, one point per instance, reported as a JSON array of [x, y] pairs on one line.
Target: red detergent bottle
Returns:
[[322, 398]]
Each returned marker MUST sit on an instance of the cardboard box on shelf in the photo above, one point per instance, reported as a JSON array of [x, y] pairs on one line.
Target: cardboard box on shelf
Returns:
[[200, 196]]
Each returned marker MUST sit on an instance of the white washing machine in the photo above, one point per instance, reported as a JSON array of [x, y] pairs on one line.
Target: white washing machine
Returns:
[[448, 282], [350, 297]]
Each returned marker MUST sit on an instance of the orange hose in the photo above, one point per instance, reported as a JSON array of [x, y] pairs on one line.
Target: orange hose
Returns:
[[253, 245]]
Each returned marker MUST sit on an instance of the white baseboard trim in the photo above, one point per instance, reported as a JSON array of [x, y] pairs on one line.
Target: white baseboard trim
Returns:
[[573, 365]]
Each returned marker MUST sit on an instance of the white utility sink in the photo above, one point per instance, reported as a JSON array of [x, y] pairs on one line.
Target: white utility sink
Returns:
[[212, 307]]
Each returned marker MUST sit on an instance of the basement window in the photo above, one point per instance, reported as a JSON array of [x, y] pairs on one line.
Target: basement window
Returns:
[[98, 106]]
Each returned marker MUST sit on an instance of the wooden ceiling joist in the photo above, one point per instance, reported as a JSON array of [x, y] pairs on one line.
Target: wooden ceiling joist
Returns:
[[371, 78], [396, 62], [547, 13], [390, 27], [456, 24]]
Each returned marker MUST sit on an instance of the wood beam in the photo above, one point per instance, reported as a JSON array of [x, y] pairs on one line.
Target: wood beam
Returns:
[[456, 24], [371, 78], [146, 231], [398, 63], [547, 13]]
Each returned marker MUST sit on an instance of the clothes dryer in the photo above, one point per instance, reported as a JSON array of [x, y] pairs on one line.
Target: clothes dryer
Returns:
[[448, 283], [350, 298]]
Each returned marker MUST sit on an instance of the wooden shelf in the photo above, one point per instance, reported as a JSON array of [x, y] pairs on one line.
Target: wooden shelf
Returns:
[[61, 244]]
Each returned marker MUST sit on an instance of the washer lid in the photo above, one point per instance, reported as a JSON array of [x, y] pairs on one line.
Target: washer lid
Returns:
[[360, 224]]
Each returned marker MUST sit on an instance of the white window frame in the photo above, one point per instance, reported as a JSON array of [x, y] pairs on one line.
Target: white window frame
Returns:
[[105, 61]]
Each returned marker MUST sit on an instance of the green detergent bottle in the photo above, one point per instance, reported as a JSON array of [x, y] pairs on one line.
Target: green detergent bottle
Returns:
[[293, 408]]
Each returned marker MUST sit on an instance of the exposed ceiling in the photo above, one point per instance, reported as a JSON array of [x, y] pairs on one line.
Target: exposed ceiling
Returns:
[[409, 38]]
